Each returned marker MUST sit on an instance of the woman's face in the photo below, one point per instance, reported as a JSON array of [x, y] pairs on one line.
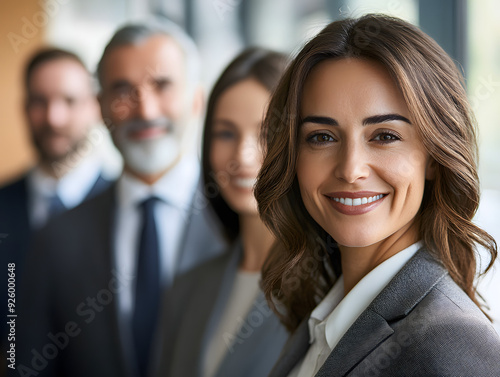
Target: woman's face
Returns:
[[361, 167], [235, 153]]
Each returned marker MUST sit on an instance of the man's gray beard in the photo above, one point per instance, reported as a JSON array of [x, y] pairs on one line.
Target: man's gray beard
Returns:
[[150, 156]]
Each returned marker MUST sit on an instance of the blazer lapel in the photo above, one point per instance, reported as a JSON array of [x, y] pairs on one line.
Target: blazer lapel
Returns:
[[120, 329], [398, 298], [293, 351], [99, 186], [262, 336], [369, 330], [224, 291], [202, 237]]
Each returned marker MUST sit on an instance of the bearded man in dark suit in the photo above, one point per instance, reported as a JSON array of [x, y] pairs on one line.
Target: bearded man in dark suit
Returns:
[[100, 269], [62, 112]]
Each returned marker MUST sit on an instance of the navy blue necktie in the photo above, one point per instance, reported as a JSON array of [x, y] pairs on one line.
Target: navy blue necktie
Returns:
[[147, 294], [56, 206]]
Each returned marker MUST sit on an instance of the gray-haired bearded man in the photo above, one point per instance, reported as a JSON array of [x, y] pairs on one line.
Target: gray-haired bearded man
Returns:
[[96, 276]]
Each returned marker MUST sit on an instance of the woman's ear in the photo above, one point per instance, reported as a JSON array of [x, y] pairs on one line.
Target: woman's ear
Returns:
[[430, 169]]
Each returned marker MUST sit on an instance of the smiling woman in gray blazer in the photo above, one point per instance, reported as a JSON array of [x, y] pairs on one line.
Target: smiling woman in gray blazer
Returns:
[[370, 183], [217, 321]]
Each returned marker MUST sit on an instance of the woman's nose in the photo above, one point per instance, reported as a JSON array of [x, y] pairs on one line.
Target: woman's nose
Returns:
[[352, 163]]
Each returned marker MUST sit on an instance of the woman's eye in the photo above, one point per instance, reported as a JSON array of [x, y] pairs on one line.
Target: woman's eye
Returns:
[[224, 135], [320, 138], [386, 137]]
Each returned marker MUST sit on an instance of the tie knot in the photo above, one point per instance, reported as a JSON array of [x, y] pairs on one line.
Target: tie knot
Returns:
[[148, 204]]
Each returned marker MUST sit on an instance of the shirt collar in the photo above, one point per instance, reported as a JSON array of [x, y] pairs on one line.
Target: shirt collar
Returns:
[[72, 188], [340, 312], [175, 188], [326, 306]]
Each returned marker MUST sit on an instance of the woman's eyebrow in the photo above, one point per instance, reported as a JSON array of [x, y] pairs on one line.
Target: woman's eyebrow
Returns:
[[224, 122], [320, 120], [384, 118], [328, 121]]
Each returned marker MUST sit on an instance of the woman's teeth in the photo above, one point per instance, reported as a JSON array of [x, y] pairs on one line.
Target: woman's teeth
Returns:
[[358, 201], [247, 183]]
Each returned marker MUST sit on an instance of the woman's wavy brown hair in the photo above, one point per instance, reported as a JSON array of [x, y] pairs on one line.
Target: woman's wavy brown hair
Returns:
[[299, 272]]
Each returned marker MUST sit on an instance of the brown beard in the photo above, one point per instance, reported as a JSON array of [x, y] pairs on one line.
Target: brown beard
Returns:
[[53, 160]]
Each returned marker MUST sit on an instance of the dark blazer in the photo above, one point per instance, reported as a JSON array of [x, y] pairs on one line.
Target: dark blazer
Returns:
[[72, 286], [421, 324], [193, 309], [15, 229]]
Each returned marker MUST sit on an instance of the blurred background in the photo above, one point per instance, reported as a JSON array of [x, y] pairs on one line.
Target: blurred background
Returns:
[[469, 30]]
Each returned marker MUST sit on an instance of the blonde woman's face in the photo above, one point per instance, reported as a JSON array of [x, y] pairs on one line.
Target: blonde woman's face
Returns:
[[235, 155], [361, 167]]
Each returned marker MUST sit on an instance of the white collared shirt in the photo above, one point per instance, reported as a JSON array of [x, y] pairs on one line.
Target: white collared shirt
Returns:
[[72, 188], [175, 191], [335, 314]]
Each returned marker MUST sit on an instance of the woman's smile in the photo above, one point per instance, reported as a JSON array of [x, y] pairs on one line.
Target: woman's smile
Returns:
[[361, 166], [355, 203]]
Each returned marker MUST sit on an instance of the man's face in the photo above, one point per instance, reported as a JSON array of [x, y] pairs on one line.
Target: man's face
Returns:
[[146, 102], [60, 108]]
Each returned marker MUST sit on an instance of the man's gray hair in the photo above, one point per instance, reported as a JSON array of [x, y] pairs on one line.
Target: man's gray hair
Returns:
[[134, 34]]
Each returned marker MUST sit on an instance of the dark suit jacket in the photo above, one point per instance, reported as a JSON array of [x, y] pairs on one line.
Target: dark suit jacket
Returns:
[[71, 290], [15, 229], [193, 309], [421, 324]]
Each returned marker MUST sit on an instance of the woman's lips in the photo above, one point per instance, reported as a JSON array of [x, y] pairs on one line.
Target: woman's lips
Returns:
[[355, 203]]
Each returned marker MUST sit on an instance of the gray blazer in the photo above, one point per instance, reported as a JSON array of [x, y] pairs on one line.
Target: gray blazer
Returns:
[[421, 324], [71, 285], [193, 309]]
